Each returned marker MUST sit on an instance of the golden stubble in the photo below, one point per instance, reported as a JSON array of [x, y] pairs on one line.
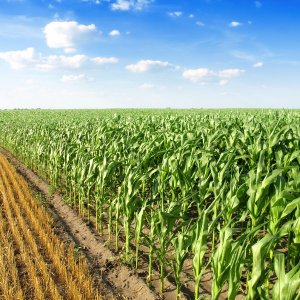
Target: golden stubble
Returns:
[[29, 245]]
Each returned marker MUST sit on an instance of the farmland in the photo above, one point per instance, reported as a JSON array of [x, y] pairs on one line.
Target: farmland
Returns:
[[199, 191]]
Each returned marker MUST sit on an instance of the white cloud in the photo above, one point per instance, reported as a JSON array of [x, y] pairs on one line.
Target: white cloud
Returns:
[[66, 34], [143, 66], [19, 59], [73, 62], [130, 4], [105, 60], [191, 16], [146, 86], [235, 24], [121, 5], [175, 14], [70, 78], [258, 65], [197, 75], [204, 75], [114, 32], [61, 61], [29, 58]]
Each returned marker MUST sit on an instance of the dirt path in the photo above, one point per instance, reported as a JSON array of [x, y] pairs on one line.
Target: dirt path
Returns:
[[124, 283]]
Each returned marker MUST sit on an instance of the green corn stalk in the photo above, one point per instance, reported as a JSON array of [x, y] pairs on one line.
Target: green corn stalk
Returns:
[[258, 188], [259, 253], [129, 204], [221, 259], [139, 224], [199, 248], [151, 241], [117, 222], [235, 270], [287, 285], [238, 259], [165, 231], [181, 243]]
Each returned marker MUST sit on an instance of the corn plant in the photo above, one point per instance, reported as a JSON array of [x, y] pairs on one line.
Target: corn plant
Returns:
[[199, 248], [287, 284]]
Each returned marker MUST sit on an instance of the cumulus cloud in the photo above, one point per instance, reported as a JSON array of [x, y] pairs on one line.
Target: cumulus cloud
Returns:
[[30, 58], [204, 75], [197, 75], [235, 24], [130, 4], [175, 14], [61, 61], [104, 60], [73, 62], [67, 35], [258, 65], [19, 59], [144, 66], [114, 32], [121, 5]]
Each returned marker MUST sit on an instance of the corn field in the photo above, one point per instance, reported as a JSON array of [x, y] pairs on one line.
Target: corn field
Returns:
[[216, 190]]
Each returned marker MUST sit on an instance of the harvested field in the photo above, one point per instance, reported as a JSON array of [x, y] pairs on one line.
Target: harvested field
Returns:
[[34, 263]]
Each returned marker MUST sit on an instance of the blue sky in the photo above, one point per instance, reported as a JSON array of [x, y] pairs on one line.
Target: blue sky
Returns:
[[149, 53]]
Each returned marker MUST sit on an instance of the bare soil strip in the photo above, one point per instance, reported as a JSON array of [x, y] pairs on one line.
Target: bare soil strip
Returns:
[[124, 283]]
